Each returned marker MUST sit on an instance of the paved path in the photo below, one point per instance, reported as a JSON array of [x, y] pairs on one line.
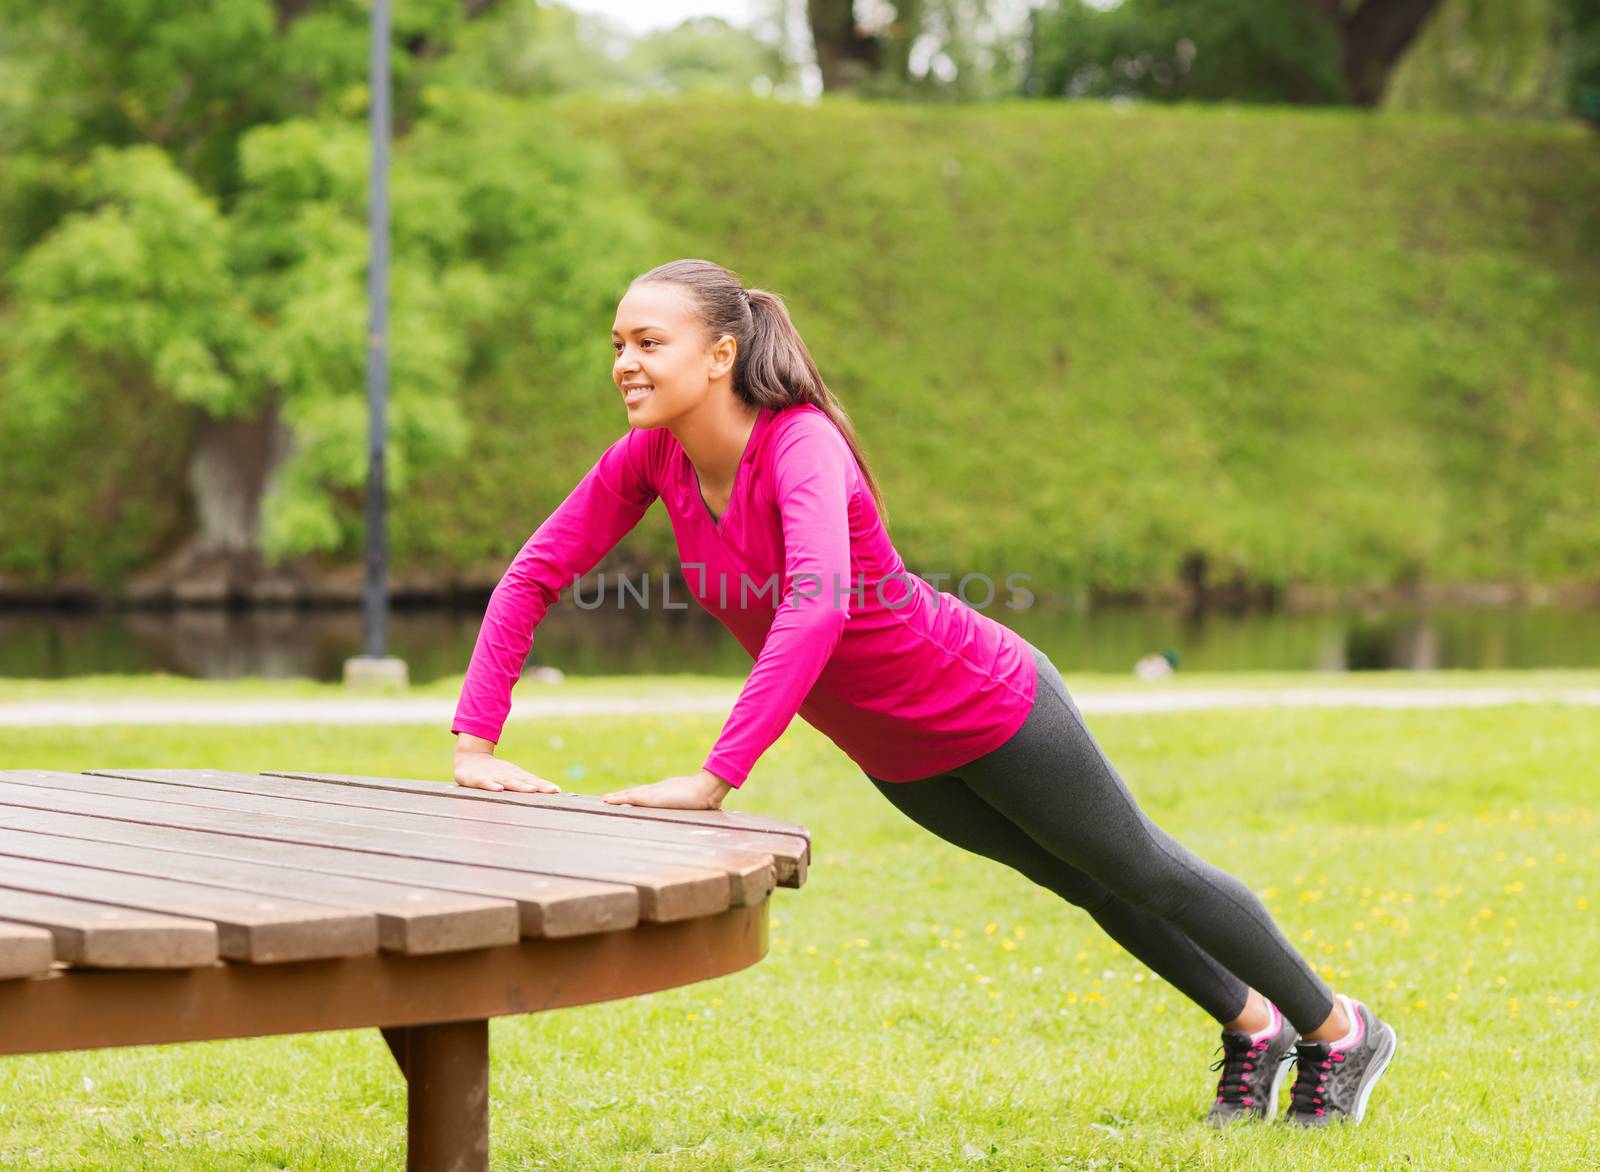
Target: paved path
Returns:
[[439, 710]]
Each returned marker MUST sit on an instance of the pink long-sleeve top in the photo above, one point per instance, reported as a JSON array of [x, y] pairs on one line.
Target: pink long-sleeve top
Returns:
[[907, 681]]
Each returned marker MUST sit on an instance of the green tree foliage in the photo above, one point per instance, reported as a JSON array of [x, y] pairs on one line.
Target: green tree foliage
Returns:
[[1582, 24], [1209, 50], [195, 244], [1296, 51], [704, 54], [928, 50], [1499, 57]]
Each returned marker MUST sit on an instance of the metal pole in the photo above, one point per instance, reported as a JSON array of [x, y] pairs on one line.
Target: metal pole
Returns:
[[375, 596]]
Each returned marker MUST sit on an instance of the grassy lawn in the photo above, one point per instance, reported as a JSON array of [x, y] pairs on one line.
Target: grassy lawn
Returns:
[[171, 687], [921, 1008]]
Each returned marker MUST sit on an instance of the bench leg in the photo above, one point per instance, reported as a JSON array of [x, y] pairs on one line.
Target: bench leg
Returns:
[[446, 1067]]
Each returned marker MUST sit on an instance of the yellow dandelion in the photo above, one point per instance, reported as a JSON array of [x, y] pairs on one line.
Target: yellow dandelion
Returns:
[[990, 928]]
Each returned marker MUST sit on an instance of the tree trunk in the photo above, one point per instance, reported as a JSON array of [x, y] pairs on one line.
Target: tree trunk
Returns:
[[230, 471], [845, 55], [1374, 38]]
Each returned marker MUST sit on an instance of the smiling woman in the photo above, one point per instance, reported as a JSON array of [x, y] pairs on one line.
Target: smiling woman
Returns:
[[961, 723]]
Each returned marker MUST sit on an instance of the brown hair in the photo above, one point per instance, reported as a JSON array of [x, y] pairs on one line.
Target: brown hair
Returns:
[[772, 368]]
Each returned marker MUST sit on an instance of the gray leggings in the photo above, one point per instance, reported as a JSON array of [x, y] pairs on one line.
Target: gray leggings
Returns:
[[1048, 804]]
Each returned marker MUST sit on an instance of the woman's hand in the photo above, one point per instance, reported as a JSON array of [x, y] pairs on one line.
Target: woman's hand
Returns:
[[700, 791], [478, 768]]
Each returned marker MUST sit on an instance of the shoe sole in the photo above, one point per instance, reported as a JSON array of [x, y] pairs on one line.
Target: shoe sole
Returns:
[[1390, 1042]]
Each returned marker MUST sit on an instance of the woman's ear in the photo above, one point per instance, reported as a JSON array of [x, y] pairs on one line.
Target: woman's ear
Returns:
[[723, 351]]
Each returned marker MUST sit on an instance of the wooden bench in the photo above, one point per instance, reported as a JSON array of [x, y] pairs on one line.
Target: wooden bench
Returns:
[[146, 906]]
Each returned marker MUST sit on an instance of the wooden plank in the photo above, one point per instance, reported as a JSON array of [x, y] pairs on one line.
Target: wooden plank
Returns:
[[548, 905], [411, 920], [788, 854], [576, 803], [98, 936], [751, 874], [24, 950], [665, 892], [250, 928]]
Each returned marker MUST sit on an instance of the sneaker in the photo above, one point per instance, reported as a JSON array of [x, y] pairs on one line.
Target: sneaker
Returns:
[[1333, 1081], [1252, 1070]]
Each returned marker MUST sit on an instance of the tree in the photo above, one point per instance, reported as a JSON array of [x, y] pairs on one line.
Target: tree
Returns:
[[1373, 35], [193, 195], [1582, 19], [1502, 57], [961, 49], [1296, 51]]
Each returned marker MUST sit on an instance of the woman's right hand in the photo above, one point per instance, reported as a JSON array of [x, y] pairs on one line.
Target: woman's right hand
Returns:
[[481, 770]]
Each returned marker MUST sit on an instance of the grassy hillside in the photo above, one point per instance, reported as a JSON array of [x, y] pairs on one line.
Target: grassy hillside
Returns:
[[1089, 343]]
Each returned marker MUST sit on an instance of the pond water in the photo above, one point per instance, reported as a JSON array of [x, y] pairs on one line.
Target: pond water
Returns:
[[283, 643]]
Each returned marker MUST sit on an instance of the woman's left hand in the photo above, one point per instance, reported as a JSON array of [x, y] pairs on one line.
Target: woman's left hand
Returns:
[[700, 791]]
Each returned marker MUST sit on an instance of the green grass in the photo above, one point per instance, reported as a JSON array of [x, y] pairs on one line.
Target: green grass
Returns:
[[1078, 341], [921, 1007], [170, 687]]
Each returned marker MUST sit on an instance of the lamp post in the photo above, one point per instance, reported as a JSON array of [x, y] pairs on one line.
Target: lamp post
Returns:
[[374, 666]]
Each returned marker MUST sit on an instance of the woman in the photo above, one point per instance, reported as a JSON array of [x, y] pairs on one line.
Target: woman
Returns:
[[958, 721]]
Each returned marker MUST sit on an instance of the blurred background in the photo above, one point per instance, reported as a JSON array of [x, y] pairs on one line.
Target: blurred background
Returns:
[[1263, 331]]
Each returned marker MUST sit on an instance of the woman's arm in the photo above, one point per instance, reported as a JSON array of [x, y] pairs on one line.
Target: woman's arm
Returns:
[[814, 475], [599, 512]]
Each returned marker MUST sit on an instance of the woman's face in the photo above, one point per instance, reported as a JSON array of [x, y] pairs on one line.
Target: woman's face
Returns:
[[663, 365]]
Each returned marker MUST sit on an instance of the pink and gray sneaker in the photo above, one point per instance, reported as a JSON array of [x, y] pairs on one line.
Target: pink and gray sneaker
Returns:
[[1334, 1080], [1253, 1066]]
